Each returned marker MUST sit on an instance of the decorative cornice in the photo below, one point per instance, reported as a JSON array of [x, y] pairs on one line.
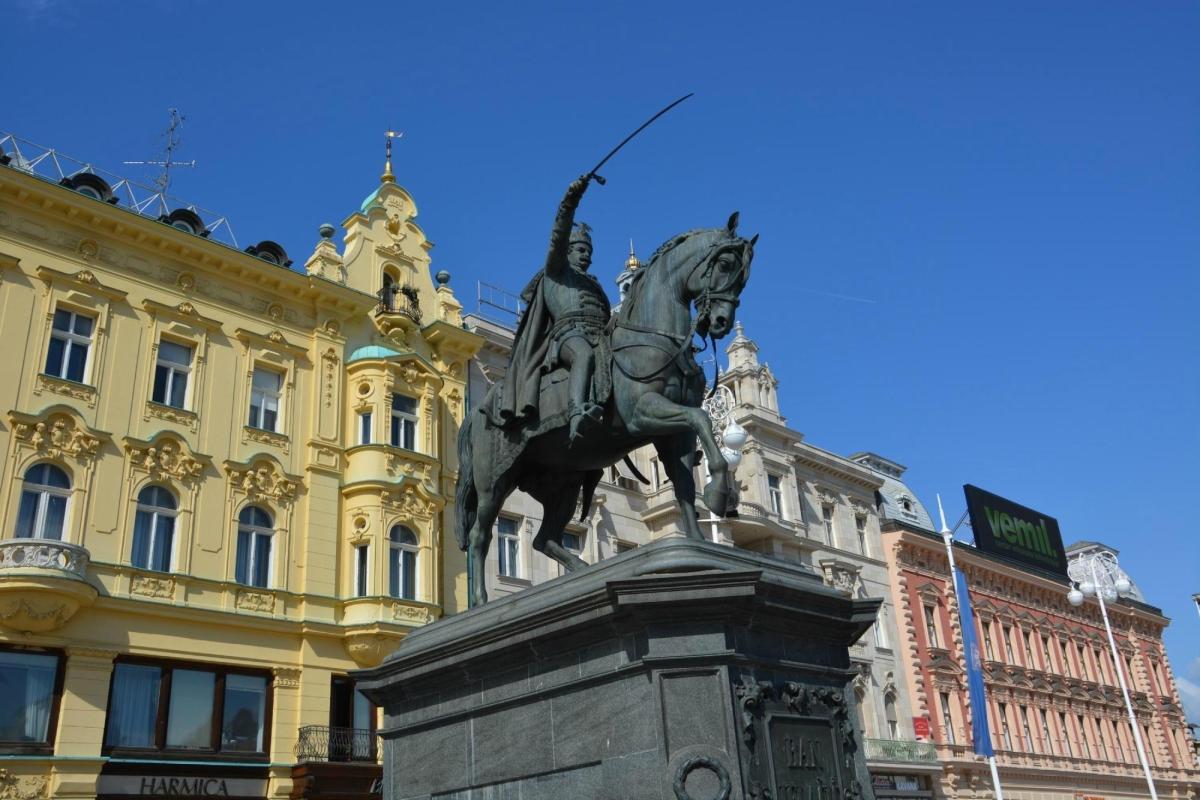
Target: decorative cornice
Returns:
[[84, 280]]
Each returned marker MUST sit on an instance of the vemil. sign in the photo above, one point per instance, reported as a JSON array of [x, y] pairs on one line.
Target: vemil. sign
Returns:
[[1007, 529]]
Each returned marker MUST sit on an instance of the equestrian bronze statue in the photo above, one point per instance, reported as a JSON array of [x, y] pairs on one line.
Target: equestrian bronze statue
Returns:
[[584, 387]]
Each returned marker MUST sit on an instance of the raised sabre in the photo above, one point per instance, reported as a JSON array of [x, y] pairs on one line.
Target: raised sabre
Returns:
[[592, 173]]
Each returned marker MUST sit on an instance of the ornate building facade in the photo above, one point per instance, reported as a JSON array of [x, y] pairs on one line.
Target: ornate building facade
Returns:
[[224, 486], [1058, 721], [797, 502]]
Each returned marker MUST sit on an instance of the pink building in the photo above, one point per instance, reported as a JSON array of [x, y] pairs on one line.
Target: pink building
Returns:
[[1058, 722]]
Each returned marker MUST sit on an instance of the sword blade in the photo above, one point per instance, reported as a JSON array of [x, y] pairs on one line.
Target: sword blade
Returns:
[[641, 128]]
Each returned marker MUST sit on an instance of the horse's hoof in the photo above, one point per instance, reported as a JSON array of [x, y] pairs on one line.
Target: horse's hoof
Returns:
[[716, 498]]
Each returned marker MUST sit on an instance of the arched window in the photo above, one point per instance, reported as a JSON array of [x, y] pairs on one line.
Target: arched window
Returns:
[[154, 529], [43, 510], [255, 531], [402, 563]]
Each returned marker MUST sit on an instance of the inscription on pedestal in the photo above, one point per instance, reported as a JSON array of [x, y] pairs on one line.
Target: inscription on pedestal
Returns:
[[804, 758]]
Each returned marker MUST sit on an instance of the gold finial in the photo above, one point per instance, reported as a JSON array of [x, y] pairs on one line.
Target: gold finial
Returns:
[[632, 262], [388, 177]]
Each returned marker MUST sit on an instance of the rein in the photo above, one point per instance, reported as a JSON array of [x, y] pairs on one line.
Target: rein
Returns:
[[703, 302]]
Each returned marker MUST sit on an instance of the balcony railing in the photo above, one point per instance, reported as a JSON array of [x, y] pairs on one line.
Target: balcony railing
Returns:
[[325, 743], [397, 302], [46, 554], [899, 750]]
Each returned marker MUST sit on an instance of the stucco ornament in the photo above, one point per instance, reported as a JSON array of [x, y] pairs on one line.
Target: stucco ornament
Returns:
[[165, 458], [59, 435], [22, 787], [263, 479]]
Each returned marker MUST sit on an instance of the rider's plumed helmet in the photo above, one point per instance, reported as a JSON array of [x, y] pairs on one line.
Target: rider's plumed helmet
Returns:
[[581, 232]]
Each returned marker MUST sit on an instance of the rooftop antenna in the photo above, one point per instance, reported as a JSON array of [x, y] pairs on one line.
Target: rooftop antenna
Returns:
[[163, 181]]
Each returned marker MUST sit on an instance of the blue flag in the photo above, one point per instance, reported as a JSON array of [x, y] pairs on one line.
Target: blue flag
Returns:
[[980, 734]]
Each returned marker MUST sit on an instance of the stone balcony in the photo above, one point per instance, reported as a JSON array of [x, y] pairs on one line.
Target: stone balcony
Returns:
[[43, 582]]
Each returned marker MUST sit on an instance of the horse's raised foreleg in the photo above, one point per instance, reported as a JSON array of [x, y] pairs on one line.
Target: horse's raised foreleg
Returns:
[[655, 415], [558, 499], [678, 456]]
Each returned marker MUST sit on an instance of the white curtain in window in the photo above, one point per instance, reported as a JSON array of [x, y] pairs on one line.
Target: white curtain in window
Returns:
[[39, 694], [134, 709]]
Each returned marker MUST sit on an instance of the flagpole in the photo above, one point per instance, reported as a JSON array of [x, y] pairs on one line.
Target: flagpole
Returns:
[[948, 538]]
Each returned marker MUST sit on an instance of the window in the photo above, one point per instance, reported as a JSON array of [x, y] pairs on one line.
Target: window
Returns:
[[1147, 747], [362, 560], [775, 492], [881, 629], [70, 344], [1083, 666], [402, 563], [510, 546], [154, 529], [43, 510], [931, 631], [1100, 740], [1029, 743], [1028, 639], [1129, 673], [1083, 738], [655, 474], [266, 388], [1066, 737], [1008, 648], [1100, 678], [1046, 665], [29, 702], [1066, 660], [987, 640], [1158, 678], [572, 541], [171, 374], [404, 422], [192, 708], [1005, 734], [827, 518], [364, 427], [947, 725], [860, 527], [255, 530], [350, 708], [1049, 743], [1117, 740], [889, 714]]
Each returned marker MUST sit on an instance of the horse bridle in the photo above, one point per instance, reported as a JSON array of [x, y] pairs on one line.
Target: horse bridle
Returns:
[[703, 304]]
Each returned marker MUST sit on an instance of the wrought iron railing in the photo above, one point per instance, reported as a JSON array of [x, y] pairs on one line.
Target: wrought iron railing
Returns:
[[900, 750], [397, 302], [49, 554], [325, 743]]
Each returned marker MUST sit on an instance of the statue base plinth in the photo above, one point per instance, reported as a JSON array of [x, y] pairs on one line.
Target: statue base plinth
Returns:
[[681, 669]]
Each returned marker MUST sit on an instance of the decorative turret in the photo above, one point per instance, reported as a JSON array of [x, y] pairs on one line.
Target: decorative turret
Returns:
[[742, 351], [326, 261], [632, 265]]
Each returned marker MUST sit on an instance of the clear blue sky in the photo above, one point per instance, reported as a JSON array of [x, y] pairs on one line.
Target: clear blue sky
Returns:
[[1016, 189]]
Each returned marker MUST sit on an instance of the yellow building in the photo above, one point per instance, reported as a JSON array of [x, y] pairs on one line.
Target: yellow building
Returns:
[[225, 485]]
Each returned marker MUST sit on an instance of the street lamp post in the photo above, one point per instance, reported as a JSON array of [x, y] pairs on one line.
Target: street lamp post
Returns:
[[1097, 574]]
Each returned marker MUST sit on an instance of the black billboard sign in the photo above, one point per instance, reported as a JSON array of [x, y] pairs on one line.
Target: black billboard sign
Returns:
[[1013, 531]]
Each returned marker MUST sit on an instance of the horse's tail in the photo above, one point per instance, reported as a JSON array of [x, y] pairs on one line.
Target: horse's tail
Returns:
[[466, 499]]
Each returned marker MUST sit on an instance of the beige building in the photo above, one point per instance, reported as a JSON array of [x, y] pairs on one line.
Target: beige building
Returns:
[[797, 502], [224, 486]]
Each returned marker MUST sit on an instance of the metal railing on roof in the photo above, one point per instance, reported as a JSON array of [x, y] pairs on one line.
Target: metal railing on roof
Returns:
[[54, 166]]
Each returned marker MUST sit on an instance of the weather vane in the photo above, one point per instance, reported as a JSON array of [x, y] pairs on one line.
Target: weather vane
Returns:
[[387, 144]]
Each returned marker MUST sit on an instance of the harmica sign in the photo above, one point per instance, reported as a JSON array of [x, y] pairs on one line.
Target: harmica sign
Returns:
[[1007, 529]]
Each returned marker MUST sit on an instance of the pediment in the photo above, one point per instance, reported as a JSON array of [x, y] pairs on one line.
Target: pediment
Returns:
[[58, 431], [166, 456], [263, 477]]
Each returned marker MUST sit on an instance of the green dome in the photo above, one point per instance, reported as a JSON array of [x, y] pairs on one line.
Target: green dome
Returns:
[[371, 351]]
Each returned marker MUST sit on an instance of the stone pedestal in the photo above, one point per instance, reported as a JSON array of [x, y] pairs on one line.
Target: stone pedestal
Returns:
[[678, 670]]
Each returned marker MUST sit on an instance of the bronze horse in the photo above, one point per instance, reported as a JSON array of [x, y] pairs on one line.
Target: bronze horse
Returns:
[[657, 389]]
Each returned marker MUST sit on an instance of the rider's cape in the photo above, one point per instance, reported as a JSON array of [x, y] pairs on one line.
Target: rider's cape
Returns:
[[518, 402]]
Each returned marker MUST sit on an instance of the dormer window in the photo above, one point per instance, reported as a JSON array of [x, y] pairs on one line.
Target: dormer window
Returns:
[[271, 252], [186, 220], [90, 185]]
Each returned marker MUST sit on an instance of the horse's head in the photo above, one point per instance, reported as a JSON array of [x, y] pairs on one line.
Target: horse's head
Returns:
[[721, 269]]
